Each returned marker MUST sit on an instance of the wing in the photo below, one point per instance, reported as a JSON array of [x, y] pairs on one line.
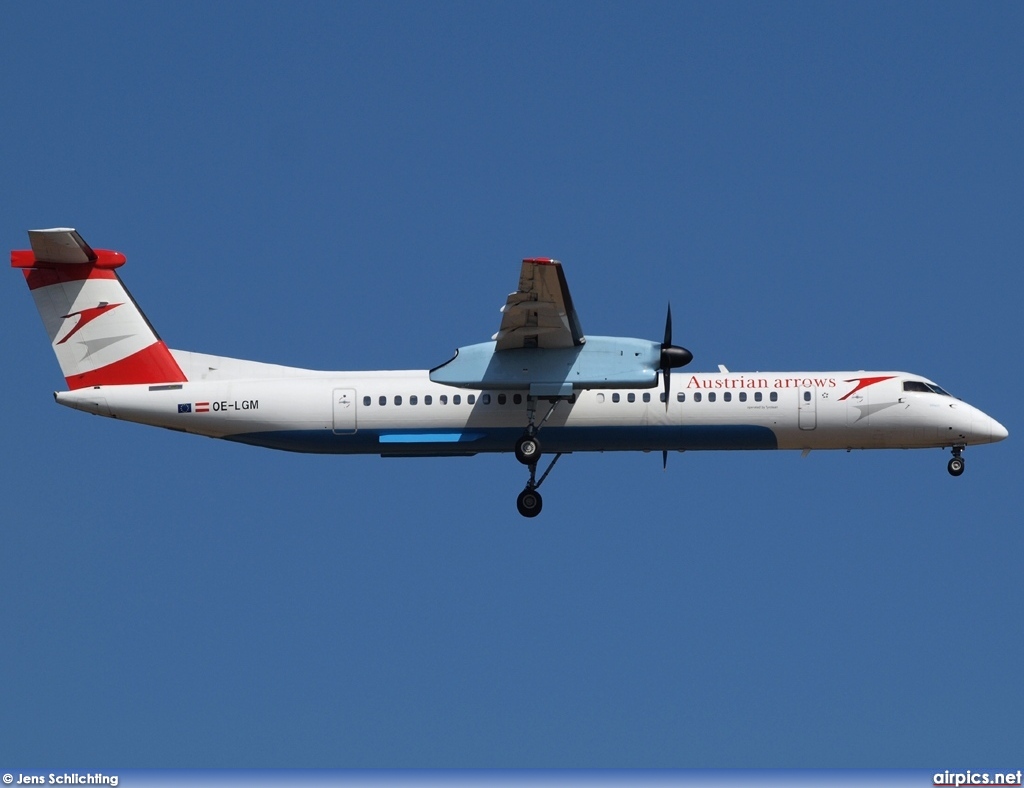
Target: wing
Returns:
[[540, 313]]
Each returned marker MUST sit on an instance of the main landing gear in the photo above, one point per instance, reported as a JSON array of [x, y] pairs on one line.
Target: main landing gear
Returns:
[[956, 465], [528, 452], [527, 449]]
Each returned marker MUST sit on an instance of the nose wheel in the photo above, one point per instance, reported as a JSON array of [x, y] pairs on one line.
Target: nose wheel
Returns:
[[956, 465]]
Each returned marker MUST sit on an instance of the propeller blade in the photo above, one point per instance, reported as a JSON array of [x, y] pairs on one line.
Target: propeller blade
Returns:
[[664, 460], [671, 355]]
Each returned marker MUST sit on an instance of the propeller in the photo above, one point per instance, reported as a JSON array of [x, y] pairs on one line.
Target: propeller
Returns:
[[672, 356]]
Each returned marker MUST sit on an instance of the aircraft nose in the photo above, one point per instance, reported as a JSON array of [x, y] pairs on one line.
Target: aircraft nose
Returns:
[[999, 432]]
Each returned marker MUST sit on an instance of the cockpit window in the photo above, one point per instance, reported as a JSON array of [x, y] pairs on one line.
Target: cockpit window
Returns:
[[920, 385]]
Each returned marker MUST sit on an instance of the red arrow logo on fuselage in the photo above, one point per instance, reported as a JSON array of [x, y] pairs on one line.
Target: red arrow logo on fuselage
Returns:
[[864, 383]]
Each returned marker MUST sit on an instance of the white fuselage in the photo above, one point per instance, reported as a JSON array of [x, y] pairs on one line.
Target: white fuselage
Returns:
[[401, 413]]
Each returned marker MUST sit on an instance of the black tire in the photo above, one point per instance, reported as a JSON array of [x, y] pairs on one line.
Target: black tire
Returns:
[[529, 503], [956, 466], [527, 450]]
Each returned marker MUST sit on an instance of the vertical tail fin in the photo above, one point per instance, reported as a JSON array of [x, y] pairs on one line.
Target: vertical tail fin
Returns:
[[97, 331]]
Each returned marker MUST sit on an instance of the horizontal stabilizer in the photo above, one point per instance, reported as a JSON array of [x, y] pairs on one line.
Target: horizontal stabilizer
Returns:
[[60, 246]]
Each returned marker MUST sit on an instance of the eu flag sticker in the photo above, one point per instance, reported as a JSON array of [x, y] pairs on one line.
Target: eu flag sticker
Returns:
[[186, 408]]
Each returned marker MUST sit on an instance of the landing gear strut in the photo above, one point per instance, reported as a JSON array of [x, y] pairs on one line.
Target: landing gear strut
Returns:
[[956, 465], [528, 447], [528, 452]]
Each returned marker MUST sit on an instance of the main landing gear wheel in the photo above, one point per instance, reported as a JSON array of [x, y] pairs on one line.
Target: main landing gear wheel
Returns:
[[528, 450], [529, 503]]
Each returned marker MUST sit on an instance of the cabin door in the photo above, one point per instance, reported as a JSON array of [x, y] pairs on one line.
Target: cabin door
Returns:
[[344, 411]]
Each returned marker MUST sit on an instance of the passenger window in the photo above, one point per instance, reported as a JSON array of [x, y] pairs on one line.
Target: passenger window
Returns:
[[427, 399], [681, 396], [383, 401], [413, 399], [774, 396], [663, 397], [743, 396], [502, 399], [712, 396], [757, 396], [367, 401], [647, 396], [697, 397], [615, 397], [471, 399], [631, 397], [600, 397], [485, 399], [517, 399], [398, 399], [807, 396], [727, 396], [457, 399], [444, 399]]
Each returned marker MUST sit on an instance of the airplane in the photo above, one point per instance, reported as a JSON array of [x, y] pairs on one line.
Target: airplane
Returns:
[[540, 385]]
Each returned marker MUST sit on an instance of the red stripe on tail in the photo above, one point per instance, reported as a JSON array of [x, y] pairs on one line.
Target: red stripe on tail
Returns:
[[154, 364]]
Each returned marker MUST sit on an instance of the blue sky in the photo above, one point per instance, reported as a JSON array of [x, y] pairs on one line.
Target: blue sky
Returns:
[[352, 186]]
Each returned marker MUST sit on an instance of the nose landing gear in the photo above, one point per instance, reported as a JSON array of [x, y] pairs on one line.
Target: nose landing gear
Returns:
[[956, 465]]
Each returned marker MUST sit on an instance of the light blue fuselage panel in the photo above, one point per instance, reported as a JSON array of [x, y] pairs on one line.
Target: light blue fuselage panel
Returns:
[[602, 362]]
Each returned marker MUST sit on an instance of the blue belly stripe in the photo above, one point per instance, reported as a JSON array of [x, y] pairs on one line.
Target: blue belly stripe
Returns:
[[429, 437]]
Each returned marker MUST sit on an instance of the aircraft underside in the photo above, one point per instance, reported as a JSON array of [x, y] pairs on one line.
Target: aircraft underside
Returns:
[[560, 440]]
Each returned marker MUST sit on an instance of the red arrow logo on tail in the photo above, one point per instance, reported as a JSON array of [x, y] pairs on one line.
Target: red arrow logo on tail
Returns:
[[86, 316]]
